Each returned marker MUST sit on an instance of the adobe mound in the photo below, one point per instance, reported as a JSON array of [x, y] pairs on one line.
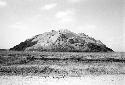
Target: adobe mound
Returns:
[[62, 41]]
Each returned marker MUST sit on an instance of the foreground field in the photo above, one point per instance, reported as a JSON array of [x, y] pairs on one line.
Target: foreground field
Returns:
[[46, 68], [60, 65]]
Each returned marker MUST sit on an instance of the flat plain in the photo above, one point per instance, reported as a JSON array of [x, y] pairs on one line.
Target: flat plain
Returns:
[[65, 66]]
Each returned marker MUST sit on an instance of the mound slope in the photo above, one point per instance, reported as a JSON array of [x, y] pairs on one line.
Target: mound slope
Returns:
[[62, 41]]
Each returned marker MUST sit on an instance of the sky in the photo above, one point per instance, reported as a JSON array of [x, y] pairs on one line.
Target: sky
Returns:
[[101, 19]]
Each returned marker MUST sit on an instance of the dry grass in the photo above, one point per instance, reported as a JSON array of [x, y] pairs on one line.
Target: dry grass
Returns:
[[57, 64]]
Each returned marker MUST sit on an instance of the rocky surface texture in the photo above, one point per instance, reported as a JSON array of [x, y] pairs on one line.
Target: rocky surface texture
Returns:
[[62, 41]]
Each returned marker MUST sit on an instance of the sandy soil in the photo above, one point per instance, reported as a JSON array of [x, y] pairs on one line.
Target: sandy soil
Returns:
[[86, 80]]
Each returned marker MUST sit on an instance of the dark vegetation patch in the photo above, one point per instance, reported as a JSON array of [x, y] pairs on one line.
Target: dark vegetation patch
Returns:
[[31, 70], [97, 48], [23, 45]]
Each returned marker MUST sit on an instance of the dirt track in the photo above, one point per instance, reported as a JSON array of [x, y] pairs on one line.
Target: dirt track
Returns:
[[87, 80]]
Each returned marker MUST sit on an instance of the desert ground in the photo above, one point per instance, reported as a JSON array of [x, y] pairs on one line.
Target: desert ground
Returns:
[[61, 68], [86, 80]]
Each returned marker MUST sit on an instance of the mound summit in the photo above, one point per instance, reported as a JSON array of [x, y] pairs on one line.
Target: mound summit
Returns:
[[62, 41]]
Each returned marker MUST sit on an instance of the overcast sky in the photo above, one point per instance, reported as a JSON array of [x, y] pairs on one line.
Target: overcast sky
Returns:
[[101, 19]]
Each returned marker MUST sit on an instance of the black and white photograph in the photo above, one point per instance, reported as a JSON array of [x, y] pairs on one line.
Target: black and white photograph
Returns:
[[62, 42]]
